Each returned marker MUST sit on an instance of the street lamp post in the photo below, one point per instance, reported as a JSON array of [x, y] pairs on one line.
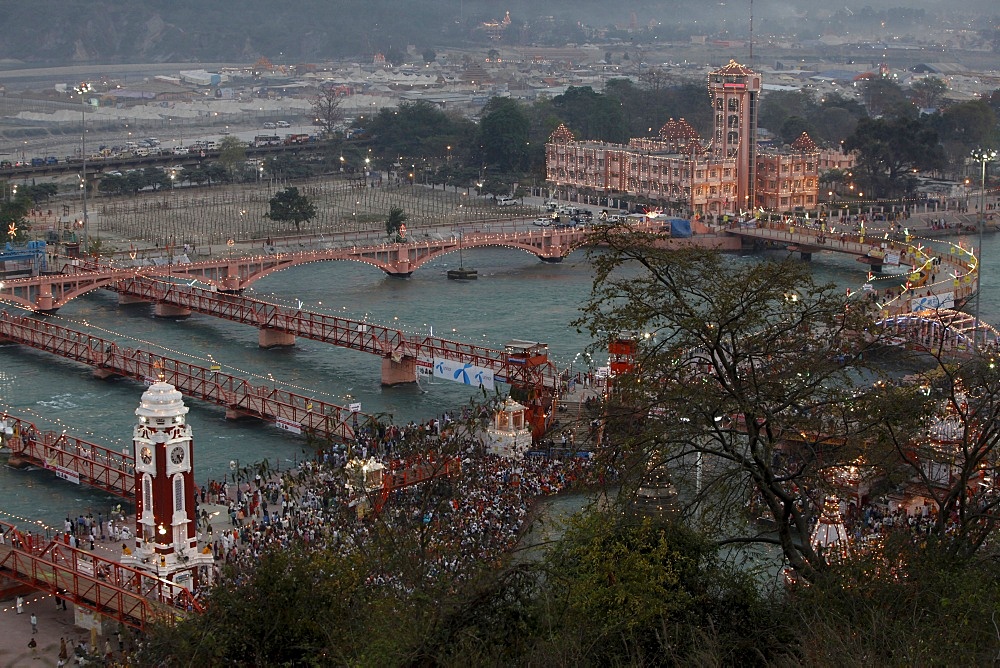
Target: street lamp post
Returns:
[[82, 91], [983, 156]]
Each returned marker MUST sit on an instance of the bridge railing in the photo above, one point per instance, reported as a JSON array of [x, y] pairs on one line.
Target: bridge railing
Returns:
[[94, 464], [132, 596]]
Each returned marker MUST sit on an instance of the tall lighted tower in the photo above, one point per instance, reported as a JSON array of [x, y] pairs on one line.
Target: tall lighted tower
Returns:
[[166, 541], [734, 90]]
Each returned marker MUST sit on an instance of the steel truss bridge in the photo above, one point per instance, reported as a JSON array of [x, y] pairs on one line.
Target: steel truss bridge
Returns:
[[240, 397], [71, 458], [52, 291], [281, 325], [129, 595]]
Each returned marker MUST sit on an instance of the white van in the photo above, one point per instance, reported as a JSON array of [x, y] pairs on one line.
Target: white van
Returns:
[[504, 200], [283, 124]]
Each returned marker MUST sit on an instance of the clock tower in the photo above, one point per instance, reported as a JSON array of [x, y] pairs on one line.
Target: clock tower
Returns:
[[166, 539]]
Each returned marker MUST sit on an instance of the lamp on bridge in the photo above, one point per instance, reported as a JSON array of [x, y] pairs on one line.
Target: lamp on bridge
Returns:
[[82, 89], [984, 156]]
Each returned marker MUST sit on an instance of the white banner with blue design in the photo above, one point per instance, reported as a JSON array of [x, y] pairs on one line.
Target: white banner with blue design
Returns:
[[461, 372]]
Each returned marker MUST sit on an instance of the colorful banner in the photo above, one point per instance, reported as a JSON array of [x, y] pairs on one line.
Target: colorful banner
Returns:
[[891, 258], [933, 302], [63, 473], [464, 373], [288, 425]]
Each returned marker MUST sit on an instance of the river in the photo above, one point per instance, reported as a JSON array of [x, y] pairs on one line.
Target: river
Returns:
[[516, 296]]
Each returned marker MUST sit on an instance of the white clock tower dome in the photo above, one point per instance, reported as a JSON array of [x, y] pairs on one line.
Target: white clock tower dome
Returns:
[[166, 539]]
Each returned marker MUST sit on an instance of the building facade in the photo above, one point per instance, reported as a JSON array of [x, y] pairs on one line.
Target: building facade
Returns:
[[680, 170]]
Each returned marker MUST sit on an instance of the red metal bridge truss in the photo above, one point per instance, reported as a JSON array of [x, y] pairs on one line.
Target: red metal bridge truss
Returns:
[[240, 397], [68, 456], [50, 292], [346, 333], [131, 596], [413, 473]]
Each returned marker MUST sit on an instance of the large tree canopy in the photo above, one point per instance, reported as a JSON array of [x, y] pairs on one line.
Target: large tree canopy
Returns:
[[592, 115], [734, 359], [503, 135], [291, 206], [890, 150]]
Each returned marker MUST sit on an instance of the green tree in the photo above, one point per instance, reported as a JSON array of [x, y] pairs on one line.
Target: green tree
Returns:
[[793, 127], [592, 115], [890, 149], [503, 134], [885, 97], [289, 205], [730, 369], [927, 93], [967, 125], [776, 107], [14, 223], [394, 223], [418, 129], [627, 592], [40, 193], [327, 111], [232, 154]]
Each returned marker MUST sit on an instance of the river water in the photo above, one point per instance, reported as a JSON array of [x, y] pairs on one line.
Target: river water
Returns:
[[516, 296]]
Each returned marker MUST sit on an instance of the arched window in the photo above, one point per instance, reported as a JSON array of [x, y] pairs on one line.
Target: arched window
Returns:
[[178, 493], [734, 104], [733, 138], [718, 103], [147, 494], [734, 121]]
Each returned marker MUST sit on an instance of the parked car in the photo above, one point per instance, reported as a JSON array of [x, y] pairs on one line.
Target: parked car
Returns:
[[504, 200], [542, 222], [281, 124], [270, 125]]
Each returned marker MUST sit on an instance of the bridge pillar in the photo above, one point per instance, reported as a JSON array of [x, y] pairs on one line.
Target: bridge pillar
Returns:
[[127, 300], [161, 310], [400, 267], [231, 284], [102, 374], [44, 302], [551, 260], [274, 338], [399, 373]]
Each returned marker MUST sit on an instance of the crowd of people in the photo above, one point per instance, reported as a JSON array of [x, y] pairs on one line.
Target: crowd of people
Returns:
[[464, 519]]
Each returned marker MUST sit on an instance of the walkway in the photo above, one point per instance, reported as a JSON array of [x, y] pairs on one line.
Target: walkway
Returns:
[[241, 398], [50, 292], [955, 270], [402, 353]]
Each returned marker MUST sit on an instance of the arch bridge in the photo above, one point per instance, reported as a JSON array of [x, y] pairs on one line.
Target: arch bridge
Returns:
[[48, 293]]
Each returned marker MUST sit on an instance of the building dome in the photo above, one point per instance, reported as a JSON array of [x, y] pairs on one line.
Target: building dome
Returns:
[[161, 400]]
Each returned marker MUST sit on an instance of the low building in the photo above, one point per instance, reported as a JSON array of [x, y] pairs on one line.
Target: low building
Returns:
[[788, 178]]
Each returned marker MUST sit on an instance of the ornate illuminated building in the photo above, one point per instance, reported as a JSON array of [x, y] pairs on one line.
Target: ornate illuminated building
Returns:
[[724, 174]]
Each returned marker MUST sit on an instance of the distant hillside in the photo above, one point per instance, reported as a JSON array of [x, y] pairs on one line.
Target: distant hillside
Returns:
[[86, 31], [60, 32]]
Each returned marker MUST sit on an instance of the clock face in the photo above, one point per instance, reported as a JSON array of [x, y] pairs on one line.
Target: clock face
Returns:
[[177, 455], [146, 455]]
